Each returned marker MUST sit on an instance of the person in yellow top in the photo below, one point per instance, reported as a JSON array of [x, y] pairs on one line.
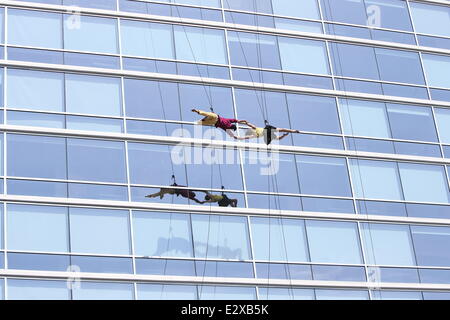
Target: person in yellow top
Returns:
[[213, 119], [221, 199], [269, 133]]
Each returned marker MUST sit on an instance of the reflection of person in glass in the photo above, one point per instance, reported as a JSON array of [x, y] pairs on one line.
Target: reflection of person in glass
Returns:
[[221, 199], [185, 193]]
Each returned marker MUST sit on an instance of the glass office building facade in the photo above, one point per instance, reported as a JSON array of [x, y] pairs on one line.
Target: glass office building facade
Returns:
[[96, 107]]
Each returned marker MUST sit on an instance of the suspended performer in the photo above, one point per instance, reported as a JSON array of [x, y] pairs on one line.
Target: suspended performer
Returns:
[[213, 119], [221, 199], [268, 132], [185, 193]]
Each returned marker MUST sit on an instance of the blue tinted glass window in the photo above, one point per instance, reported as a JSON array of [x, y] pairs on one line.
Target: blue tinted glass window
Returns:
[[163, 97], [36, 156], [396, 295], [306, 113], [150, 164], [93, 95], [314, 57], [200, 45], [390, 14], [336, 242], [436, 295], [263, 6], [388, 244], [350, 11], [147, 39], [96, 160], [285, 294], [423, 13], [431, 245], [226, 293], [162, 234], [437, 68], [102, 264], [224, 237], [376, 179], [98, 4], [323, 176], [354, 61], [35, 90], [341, 295], [338, 273], [25, 289], [92, 34], [49, 262], [94, 124], [254, 50], [411, 122], [424, 182], [35, 119], [304, 9], [95, 191], [443, 123], [364, 118], [389, 61], [166, 292], [37, 188], [35, 28], [103, 291], [99, 231], [287, 240], [37, 228]]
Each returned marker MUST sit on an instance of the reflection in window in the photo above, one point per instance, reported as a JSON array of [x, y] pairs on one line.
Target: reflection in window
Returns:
[[388, 244], [335, 242], [437, 69], [287, 240], [26, 289], [37, 228], [35, 90], [162, 234], [144, 39], [35, 29], [443, 123], [92, 34], [299, 9], [93, 95], [36, 156], [223, 237], [200, 45], [99, 231], [431, 245], [166, 292], [423, 13]]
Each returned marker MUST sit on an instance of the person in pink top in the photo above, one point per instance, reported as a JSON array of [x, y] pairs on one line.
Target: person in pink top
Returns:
[[213, 119]]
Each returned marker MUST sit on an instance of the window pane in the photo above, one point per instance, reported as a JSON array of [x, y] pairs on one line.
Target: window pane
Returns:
[[376, 179], [223, 237], [93, 95], [393, 14], [35, 90], [253, 50], [144, 39], [411, 122], [34, 28], [96, 160], [138, 94], [437, 69], [300, 9], [286, 240], [103, 291], [166, 292], [443, 123], [323, 176], [24, 289], [162, 234], [306, 113], [424, 14], [389, 61], [396, 295], [335, 242], [226, 293], [37, 228], [31, 261], [99, 231], [431, 245], [314, 56], [341, 295], [364, 118], [388, 244], [424, 182], [200, 45], [354, 61], [350, 11], [285, 294], [36, 156], [90, 34]]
